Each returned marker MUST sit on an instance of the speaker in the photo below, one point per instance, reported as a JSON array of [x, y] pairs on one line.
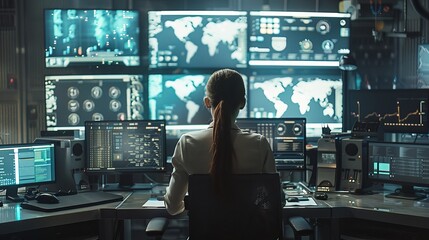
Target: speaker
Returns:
[[353, 164], [69, 165]]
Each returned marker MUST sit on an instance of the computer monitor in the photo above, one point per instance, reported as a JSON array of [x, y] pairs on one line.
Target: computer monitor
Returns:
[[28, 164], [73, 99], [399, 163], [396, 110], [125, 148], [287, 137], [197, 39], [85, 37], [298, 38], [316, 97]]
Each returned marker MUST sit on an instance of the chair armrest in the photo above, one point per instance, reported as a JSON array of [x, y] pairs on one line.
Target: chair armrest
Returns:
[[156, 226], [301, 226]]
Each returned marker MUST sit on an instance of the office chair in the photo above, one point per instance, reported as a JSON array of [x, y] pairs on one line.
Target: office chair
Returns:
[[251, 210]]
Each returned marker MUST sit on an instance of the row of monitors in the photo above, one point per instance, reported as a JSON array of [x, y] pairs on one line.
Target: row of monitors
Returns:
[[139, 146], [178, 99], [195, 39], [126, 147]]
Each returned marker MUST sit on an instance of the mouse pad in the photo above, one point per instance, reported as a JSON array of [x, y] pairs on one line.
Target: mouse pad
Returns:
[[79, 200]]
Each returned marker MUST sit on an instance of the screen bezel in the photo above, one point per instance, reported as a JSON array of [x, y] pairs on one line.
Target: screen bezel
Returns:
[[127, 171], [53, 163]]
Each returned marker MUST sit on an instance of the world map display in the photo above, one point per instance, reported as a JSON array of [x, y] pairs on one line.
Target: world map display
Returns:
[[315, 98], [179, 99], [190, 39]]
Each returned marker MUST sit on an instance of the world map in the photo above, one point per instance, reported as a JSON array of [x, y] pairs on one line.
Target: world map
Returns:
[[309, 97], [198, 41]]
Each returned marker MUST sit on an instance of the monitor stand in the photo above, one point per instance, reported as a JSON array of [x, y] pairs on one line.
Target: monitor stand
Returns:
[[406, 192], [126, 183], [12, 195]]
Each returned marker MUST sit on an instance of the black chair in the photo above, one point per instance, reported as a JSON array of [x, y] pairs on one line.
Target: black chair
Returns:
[[252, 209]]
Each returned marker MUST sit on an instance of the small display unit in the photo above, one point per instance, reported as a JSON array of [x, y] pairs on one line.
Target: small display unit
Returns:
[[72, 100], [287, 137], [84, 37], [298, 38], [397, 110], [197, 39], [125, 148], [29, 164], [318, 98], [399, 163]]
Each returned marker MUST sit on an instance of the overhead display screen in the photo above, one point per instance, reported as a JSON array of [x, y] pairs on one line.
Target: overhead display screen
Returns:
[[298, 38], [197, 39]]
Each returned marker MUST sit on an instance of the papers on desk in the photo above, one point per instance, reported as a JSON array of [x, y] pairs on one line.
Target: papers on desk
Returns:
[[309, 202], [153, 203]]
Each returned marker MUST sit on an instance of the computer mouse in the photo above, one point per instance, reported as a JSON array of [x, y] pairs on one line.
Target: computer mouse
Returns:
[[321, 196], [47, 198], [292, 199]]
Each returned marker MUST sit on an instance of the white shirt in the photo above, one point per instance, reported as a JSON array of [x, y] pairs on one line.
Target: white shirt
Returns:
[[192, 155]]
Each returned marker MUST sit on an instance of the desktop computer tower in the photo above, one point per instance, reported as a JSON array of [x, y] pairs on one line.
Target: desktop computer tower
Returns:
[[69, 165], [354, 168]]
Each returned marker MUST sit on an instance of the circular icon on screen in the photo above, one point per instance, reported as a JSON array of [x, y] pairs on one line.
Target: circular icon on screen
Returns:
[[115, 105], [88, 105], [281, 129], [121, 116], [138, 107], [73, 119], [306, 45], [97, 117], [96, 92], [323, 27], [73, 92], [114, 92], [297, 129], [73, 106], [328, 45]]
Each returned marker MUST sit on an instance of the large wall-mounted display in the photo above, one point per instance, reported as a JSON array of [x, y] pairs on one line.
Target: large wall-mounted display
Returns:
[[318, 98], [72, 100], [197, 39], [82, 37], [298, 38]]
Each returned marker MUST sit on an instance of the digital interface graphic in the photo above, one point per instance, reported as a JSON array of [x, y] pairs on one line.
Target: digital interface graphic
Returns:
[[72, 100], [297, 38], [423, 59], [316, 98], [125, 145], [397, 110], [286, 136], [197, 39], [80, 37]]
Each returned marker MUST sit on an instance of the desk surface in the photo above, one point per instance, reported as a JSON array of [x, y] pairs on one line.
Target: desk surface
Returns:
[[371, 207]]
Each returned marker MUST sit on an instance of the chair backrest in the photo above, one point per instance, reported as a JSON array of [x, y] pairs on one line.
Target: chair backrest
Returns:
[[252, 209]]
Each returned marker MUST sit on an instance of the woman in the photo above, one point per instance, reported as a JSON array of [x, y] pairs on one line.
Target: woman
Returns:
[[222, 149]]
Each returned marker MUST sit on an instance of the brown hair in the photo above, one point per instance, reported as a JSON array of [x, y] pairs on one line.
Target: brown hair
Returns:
[[226, 93]]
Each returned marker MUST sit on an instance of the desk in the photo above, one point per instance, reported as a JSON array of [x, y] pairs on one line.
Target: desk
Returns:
[[15, 219], [403, 216], [367, 213]]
